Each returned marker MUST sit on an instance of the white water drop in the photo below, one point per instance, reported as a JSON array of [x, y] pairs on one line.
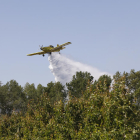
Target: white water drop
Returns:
[[63, 68]]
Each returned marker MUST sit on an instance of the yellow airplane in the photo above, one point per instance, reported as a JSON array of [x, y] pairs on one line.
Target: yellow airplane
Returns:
[[49, 49]]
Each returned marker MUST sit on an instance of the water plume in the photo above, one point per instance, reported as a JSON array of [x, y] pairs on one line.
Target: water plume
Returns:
[[63, 68]]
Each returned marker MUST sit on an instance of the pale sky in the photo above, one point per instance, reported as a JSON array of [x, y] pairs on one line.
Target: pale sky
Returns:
[[105, 34]]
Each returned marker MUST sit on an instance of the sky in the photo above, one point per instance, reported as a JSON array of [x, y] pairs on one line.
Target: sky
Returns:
[[105, 35]]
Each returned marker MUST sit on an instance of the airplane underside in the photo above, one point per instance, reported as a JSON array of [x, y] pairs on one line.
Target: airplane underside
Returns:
[[48, 53]]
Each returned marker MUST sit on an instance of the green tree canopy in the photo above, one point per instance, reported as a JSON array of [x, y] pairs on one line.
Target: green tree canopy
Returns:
[[0, 83], [79, 83], [12, 97], [132, 81], [30, 91], [112, 115], [104, 79], [56, 91], [40, 90]]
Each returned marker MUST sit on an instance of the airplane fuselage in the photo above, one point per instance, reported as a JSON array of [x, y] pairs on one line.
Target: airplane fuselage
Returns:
[[47, 49]]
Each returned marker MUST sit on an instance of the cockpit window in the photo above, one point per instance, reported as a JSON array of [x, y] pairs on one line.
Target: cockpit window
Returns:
[[52, 46]]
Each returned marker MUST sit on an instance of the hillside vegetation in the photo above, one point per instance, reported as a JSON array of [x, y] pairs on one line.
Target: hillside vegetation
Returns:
[[95, 110]]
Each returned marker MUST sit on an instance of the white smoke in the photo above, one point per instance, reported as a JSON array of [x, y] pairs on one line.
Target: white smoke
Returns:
[[64, 68]]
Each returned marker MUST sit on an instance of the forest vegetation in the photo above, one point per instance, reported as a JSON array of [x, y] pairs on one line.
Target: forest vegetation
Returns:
[[103, 109]]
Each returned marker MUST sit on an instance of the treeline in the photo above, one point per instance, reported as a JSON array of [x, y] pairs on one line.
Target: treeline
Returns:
[[95, 110]]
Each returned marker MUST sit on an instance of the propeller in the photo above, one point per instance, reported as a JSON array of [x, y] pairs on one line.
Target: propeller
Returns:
[[40, 47]]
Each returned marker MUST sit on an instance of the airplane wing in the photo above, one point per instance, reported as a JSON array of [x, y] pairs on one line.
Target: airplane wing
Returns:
[[39, 53], [59, 47]]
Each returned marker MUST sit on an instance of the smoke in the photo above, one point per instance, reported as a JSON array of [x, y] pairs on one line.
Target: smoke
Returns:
[[64, 68]]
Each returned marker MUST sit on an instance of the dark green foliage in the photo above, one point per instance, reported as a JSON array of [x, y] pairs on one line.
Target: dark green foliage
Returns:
[[100, 114], [56, 91], [12, 97], [132, 79], [30, 91], [107, 116], [132, 82], [78, 83], [0, 83], [100, 82], [40, 90]]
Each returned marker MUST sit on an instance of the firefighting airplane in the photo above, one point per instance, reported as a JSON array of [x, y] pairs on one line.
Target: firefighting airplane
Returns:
[[49, 49]]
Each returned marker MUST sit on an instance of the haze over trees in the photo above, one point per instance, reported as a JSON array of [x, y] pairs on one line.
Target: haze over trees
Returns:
[[92, 112]]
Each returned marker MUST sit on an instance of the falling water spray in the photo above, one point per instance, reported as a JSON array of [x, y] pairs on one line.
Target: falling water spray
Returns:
[[63, 68]]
